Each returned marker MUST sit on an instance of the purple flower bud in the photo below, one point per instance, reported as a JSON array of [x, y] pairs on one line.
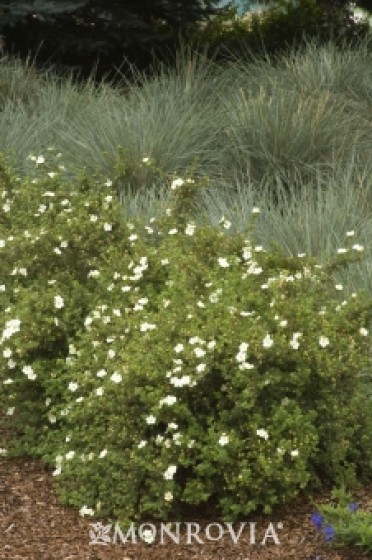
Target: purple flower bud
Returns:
[[317, 520], [329, 533]]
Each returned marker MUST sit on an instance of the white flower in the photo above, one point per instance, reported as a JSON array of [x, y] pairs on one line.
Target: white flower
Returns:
[[214, 297], [10, 411], [241, 356], [350, 233], [93, 273], [226, 223], [179, 348], [103, 454], [254, 269], [294, 453], [341, 250], [107, 227], [7, 352], [126, 288], [73, 386], [70, 455], [39, 160], [168, 496], [147, 535], [200, 368], [224, 439], [262, 433], [150, 420], [147, 327], [280, 451], [29, 372], [199, 352], [111, 353], [294, 342], [58, 302], [195, 340], [223, 262], [255, 210], [177, 183], [267, 341], [145, 159], [190, 229], [11, 327], [86, 511], [181, 381], [101, 373], [99, 392], [169, 400], [323, 341], [245, 365], [358, 247], [339, 287], [116, 377], [170, 472], [142, 443], [3, 452], [247, 253], [108, 183], [363, 331]]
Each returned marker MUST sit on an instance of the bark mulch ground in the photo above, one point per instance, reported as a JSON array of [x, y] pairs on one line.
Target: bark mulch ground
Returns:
[[34, 526]]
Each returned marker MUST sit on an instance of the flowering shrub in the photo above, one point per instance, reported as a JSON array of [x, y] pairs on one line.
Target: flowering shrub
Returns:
[[197, 369]]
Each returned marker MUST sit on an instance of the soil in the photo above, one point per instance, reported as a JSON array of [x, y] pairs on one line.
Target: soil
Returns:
[[34, 526]]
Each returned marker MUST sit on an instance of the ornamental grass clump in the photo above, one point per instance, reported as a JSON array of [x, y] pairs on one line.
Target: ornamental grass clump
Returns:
[[199, 369]]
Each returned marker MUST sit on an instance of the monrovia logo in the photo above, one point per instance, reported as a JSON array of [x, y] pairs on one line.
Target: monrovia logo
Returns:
[[192, 533]]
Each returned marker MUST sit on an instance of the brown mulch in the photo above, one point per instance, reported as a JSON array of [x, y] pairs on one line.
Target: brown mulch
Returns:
[[34, 526]]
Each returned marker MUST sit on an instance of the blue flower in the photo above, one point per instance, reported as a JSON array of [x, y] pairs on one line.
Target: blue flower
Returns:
[[329, 533], [317, 520], [353, 507]]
